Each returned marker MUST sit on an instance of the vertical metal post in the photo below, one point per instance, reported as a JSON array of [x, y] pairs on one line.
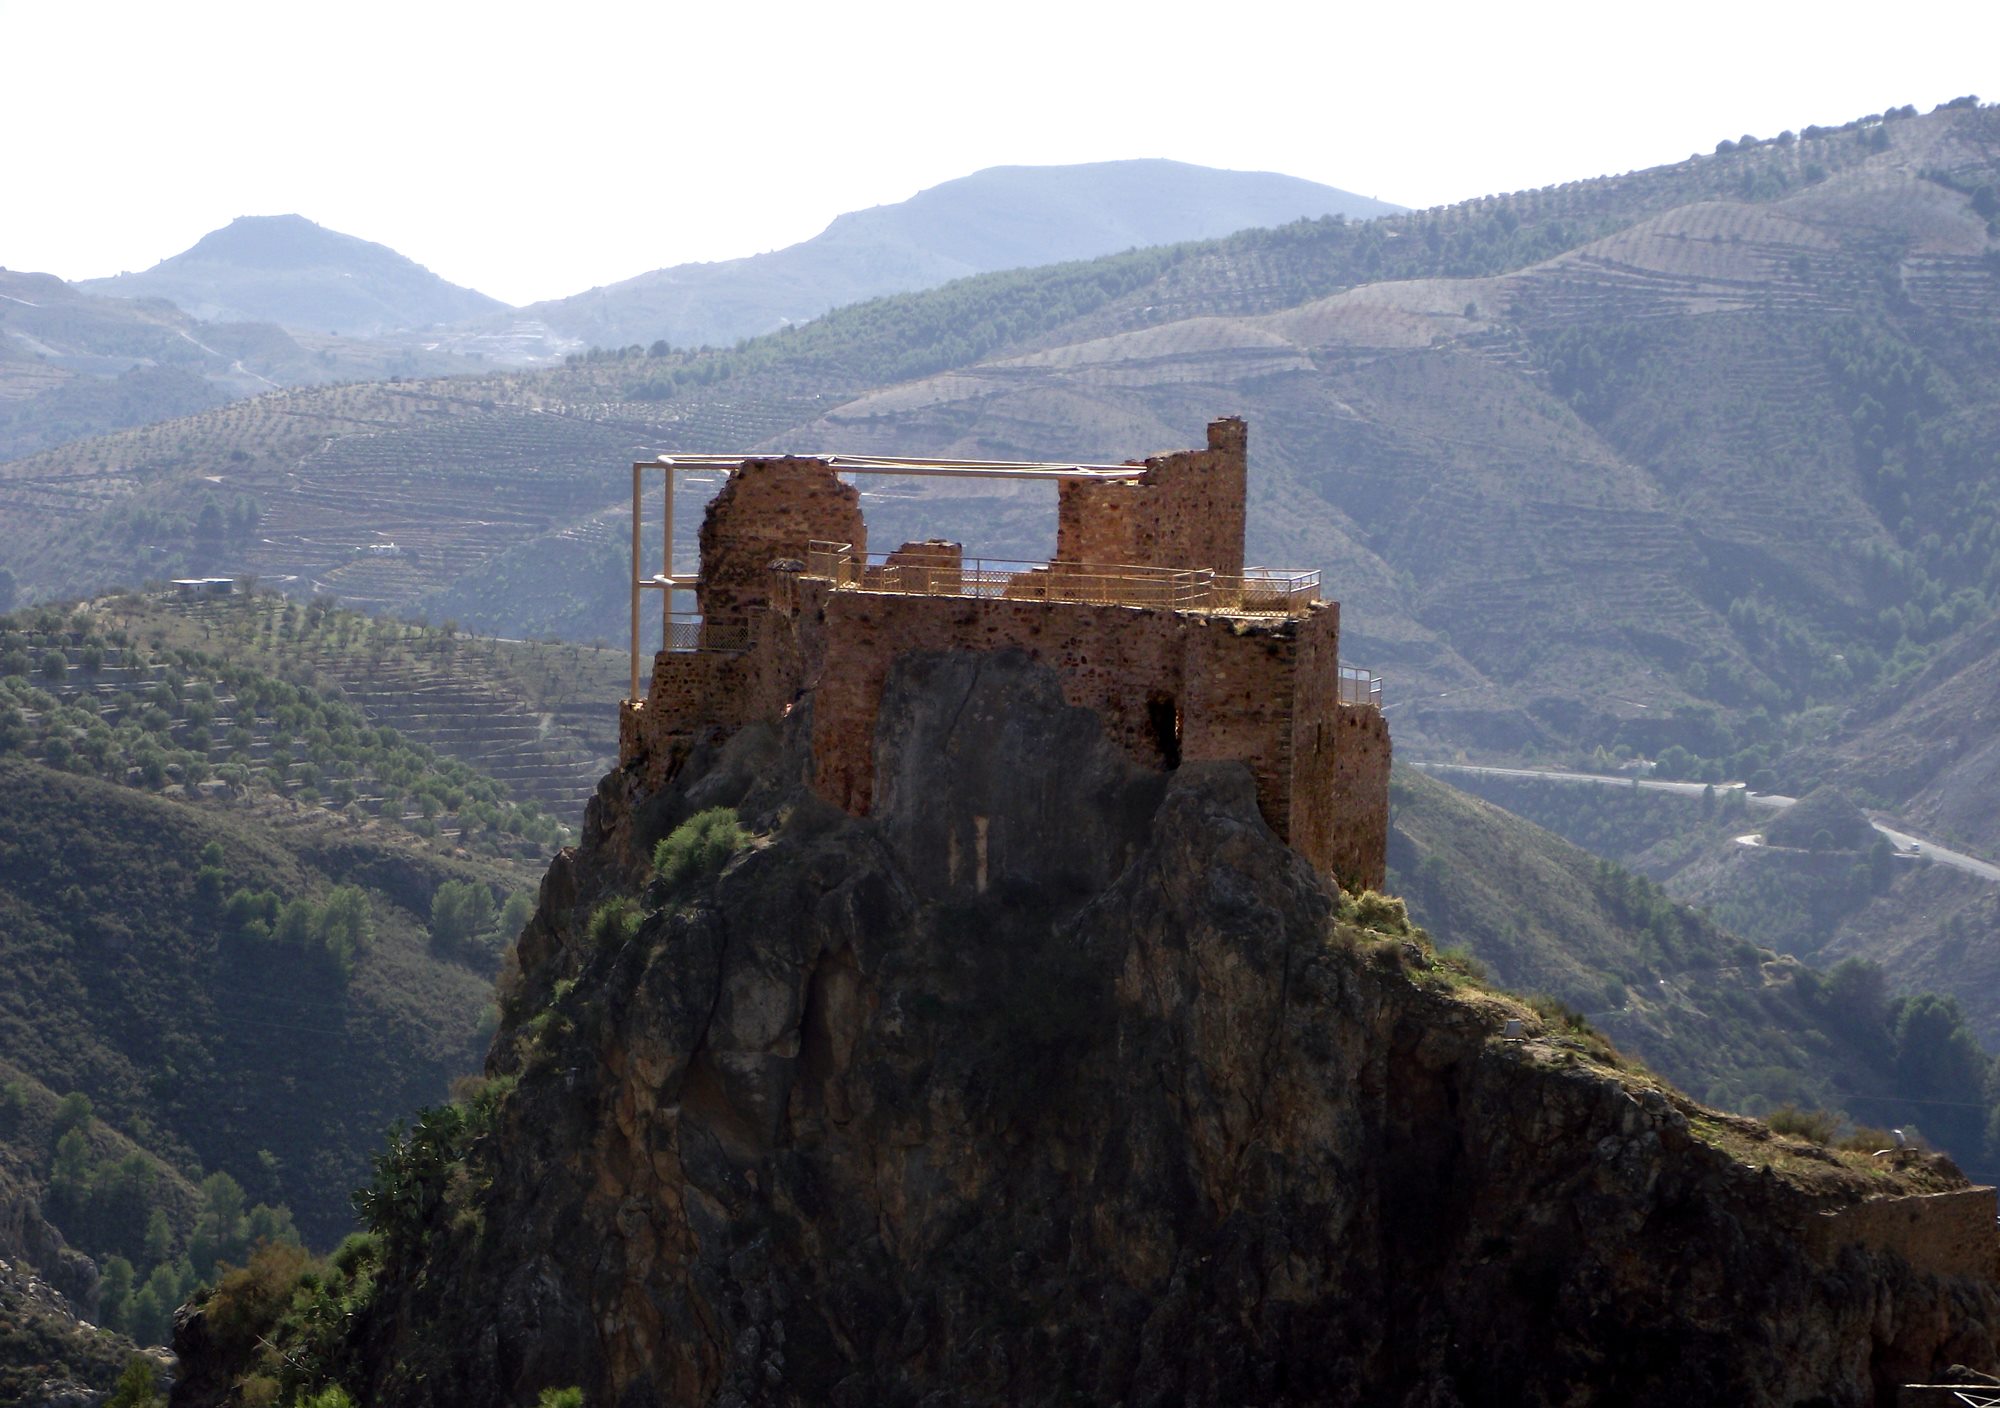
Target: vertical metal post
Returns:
[[636, 508], [667, 557]]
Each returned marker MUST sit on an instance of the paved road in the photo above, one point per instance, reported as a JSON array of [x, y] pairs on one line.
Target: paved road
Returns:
[[1770, 801], [1957, 860], [1685, 789]]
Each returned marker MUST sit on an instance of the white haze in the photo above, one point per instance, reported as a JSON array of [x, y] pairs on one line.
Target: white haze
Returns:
[[532, 152]]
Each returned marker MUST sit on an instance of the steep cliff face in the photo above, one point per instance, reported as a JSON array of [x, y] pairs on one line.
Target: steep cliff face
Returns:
[[1059, 1080]]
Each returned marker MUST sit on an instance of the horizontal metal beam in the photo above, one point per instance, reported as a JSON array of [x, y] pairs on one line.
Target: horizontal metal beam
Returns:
[[889, 464]]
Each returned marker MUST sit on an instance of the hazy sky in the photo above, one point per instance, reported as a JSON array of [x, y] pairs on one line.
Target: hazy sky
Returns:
[[533, 152]]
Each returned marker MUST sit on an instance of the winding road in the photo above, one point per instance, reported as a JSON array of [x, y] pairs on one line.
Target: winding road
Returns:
[[1770, 801]]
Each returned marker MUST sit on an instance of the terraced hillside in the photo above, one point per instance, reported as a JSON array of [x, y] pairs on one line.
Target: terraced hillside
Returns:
[[539, 718], [1550, 448], [104, 692], [75, 364]]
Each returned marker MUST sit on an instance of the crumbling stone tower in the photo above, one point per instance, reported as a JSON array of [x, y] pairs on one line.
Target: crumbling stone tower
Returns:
[[1146, 613]]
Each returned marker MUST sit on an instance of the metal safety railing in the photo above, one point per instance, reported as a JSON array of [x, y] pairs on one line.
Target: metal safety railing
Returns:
[[688, 630], [1360, 687], [1257, 591], [683, 630]]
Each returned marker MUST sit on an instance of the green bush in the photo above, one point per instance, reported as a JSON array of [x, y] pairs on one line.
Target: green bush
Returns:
[[1384, 914], [332, 1396], [138, 1386], [1462, 959], [1817, 1125], [613, 922], [1561, 1015], [699, 846]]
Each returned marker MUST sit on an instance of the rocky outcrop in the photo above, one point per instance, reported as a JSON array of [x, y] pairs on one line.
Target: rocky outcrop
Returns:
[[1825, 819], [29, 1239], [1058, 1079]]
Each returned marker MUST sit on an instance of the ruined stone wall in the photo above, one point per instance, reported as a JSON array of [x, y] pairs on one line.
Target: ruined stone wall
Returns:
[[768, 510], [1186, 512], [1148, 674], [1315, 731], [1169, 686], [1098, 522], [1236, 699], [934, 565], [1358, 849], [1948, 1234], [693, 691]]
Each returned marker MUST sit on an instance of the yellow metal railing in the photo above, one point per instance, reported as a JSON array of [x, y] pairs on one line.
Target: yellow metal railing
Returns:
[[1258, 591]]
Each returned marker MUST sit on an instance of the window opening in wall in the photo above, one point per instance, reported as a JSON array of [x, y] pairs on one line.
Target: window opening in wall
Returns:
[[1163, 713]]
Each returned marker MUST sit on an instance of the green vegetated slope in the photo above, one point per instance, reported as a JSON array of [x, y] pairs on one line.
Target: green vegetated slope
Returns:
[[1932, 743], [537, 717], [242, 999], [1734, 1022], [1821, 887], [250, 925], [107, 690], [247, 923], [137, 983]]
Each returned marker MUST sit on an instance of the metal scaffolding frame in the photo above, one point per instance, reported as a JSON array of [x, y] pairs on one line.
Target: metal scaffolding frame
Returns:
[[666, 580]]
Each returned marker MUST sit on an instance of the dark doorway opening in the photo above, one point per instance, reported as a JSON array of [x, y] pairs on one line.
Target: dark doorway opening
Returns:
[[1163, 715]]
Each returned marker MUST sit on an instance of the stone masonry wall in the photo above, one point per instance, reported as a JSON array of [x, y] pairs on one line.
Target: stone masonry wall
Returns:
[[934, 565], [1358, 837], [1168, 686], [1315, 715], [693, 691], [1948, 1234], [1236, 695], [767, 511], [1188, 511]]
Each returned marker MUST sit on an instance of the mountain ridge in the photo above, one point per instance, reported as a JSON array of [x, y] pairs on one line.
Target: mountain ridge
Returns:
[[997, 218], [289, 270]]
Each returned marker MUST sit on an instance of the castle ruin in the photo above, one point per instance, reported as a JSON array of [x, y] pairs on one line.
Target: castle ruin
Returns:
[[1146, 613]]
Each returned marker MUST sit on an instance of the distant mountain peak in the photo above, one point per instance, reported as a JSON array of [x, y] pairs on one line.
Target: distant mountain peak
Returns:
[[294, 271]]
